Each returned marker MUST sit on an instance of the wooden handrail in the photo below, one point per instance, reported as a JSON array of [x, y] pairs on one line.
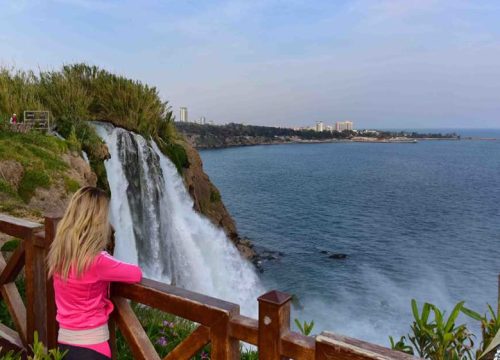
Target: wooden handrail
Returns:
[[19, 228], [187, 304], [221, 323]]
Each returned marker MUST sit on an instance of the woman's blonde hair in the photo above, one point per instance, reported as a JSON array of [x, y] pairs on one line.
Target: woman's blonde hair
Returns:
[[81, 234]]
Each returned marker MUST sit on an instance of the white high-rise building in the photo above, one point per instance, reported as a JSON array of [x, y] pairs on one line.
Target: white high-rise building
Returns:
[[184, 114], [320, 126], [343, 125], [202, 120]]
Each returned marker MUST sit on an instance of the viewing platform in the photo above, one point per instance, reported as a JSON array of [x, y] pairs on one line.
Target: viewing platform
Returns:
[[220, 322]]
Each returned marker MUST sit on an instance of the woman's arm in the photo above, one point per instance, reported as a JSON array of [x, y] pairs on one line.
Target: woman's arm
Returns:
[[110, 269]]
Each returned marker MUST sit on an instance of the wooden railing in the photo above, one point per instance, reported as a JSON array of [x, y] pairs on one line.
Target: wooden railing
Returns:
[[220, 322]]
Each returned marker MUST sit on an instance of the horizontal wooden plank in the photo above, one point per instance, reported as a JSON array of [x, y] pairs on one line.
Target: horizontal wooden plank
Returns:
[[245, 329], [133, 332], [16, 227], [339, 347], [187, 304], [190, 346], [298, 346]]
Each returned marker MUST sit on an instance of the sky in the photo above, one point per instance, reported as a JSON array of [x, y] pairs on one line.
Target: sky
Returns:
[[378, 63]]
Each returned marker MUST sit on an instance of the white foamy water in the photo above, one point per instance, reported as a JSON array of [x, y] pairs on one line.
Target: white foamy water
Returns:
[[157, 227]]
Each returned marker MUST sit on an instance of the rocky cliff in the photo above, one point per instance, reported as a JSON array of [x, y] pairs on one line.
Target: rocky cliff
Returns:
[[207, 199]]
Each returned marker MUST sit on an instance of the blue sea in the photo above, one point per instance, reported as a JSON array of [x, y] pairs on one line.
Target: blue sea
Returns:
[[415, 221]]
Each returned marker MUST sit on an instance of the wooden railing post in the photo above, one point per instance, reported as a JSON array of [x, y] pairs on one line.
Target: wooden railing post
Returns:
[[224, 347], [52, 325], [40, 303], [274, 322]]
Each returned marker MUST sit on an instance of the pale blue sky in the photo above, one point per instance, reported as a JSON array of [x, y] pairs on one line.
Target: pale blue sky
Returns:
[[385, 64]]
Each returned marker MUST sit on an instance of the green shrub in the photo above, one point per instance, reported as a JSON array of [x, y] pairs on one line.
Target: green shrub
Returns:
[[73, 142], [6, 188], [10, 245], [490, 326], [176, 153], [32, 180], [249, 354], [71, 185], [39, 352], [437, 337], [18, 92], [90, 142], [214, 195]]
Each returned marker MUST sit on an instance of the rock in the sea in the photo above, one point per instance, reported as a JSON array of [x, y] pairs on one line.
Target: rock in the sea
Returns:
[[338, 256]]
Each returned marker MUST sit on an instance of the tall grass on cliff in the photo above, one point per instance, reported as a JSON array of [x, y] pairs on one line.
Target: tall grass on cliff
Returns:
[[79, 93], [84, 92], [18, 92]]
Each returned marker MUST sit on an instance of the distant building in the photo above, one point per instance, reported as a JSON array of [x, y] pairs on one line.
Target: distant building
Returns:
[[203, 120], [184, 114], [329, 128], [320, 126], [344, 125]]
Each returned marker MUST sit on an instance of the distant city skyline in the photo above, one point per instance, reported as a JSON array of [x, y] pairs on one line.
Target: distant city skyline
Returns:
[[380, 63]]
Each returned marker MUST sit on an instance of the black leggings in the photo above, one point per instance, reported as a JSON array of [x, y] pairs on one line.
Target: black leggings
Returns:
[[80, 353]]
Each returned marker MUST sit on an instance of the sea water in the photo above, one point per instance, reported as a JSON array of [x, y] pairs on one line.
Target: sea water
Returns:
[[415, 221]]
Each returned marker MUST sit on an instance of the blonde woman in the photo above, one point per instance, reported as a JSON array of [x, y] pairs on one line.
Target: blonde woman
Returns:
[[82, 272]]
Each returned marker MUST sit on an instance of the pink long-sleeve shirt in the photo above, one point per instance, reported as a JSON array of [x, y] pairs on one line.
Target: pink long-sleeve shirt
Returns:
[[83, 302]]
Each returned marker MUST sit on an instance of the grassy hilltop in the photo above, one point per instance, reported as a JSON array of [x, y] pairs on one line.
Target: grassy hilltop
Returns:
[[79, 93]]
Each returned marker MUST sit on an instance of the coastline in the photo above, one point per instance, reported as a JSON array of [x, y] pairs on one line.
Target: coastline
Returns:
[[328, 141]]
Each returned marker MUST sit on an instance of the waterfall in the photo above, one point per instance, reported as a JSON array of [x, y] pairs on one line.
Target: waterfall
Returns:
[[157, 227]]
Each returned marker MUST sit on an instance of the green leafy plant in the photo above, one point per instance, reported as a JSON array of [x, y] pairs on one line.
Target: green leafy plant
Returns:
[[401, 345], [306, 327], [247, 354], [10, 245], [490, 326], [39, 352], [437, 337]]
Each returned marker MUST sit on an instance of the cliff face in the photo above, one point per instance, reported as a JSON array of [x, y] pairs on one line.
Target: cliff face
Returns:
[[207, 199], [38, 175]]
